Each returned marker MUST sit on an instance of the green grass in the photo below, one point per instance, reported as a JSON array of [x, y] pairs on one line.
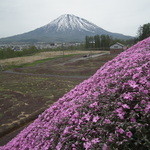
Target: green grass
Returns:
[[37, 62]]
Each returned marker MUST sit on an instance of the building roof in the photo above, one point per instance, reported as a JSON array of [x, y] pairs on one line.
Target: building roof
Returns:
[[120, 44]]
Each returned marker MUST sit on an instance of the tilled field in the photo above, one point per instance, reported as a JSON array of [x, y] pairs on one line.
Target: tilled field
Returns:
[[24, 96]]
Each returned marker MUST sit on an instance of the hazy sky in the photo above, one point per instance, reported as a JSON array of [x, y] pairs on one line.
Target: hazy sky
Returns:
[[120, 16]]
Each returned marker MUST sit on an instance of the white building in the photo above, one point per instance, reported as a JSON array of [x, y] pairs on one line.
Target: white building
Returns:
[[117, 48]]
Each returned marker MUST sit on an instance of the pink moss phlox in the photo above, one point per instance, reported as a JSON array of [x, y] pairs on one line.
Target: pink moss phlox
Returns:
[[110, 110]]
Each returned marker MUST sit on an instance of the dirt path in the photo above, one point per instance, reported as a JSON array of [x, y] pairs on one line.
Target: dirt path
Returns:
[[85, 57], [62, 76], [44, 75]]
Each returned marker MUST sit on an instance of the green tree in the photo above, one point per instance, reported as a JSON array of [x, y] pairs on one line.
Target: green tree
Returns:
[[97, 41], [9, 53], [92, 42], [105, 41], [87, 42], [144, 31]]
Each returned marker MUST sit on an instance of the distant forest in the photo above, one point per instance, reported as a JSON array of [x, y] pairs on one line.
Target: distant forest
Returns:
[[104, 42], [10, 53]]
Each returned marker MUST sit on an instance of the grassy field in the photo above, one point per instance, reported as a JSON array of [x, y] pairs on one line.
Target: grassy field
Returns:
[[21, 95], [18, 61], [71, 65]]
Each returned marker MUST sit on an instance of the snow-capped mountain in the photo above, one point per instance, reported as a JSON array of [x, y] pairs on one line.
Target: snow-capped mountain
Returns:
[[66, 28], [71, 22]]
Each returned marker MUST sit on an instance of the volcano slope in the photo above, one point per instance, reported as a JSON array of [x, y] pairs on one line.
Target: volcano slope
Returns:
[[110, 110]]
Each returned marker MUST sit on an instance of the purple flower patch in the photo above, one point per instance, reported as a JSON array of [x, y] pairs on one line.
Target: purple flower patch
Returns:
[[110, 110]]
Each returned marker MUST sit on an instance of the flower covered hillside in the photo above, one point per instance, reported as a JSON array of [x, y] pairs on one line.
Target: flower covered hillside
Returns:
[[110, 110]]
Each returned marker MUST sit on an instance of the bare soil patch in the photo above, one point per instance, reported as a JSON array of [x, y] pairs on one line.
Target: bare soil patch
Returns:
[[21, 95]]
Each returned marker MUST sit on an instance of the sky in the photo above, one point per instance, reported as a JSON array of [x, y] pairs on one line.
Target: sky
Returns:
[[119, 16]]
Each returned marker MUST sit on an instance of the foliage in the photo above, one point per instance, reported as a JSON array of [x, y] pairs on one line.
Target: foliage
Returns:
[[98, 41], [144, 31], [10, 53], [110, 110]]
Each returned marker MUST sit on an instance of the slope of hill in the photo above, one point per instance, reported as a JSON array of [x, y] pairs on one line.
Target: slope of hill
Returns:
[[110, 110], [66, 28]]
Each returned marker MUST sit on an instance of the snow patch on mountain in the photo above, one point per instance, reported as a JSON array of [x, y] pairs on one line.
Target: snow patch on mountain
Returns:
[[72, 22]]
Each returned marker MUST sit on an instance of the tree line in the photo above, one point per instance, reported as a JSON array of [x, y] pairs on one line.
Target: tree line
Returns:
[[103, 42], [10, 53]]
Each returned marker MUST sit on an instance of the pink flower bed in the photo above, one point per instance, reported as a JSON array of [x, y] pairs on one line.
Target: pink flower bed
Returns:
[[110, 110]]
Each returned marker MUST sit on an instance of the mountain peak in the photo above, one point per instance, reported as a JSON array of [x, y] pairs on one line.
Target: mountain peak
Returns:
[[71, 22], [68, 15]]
